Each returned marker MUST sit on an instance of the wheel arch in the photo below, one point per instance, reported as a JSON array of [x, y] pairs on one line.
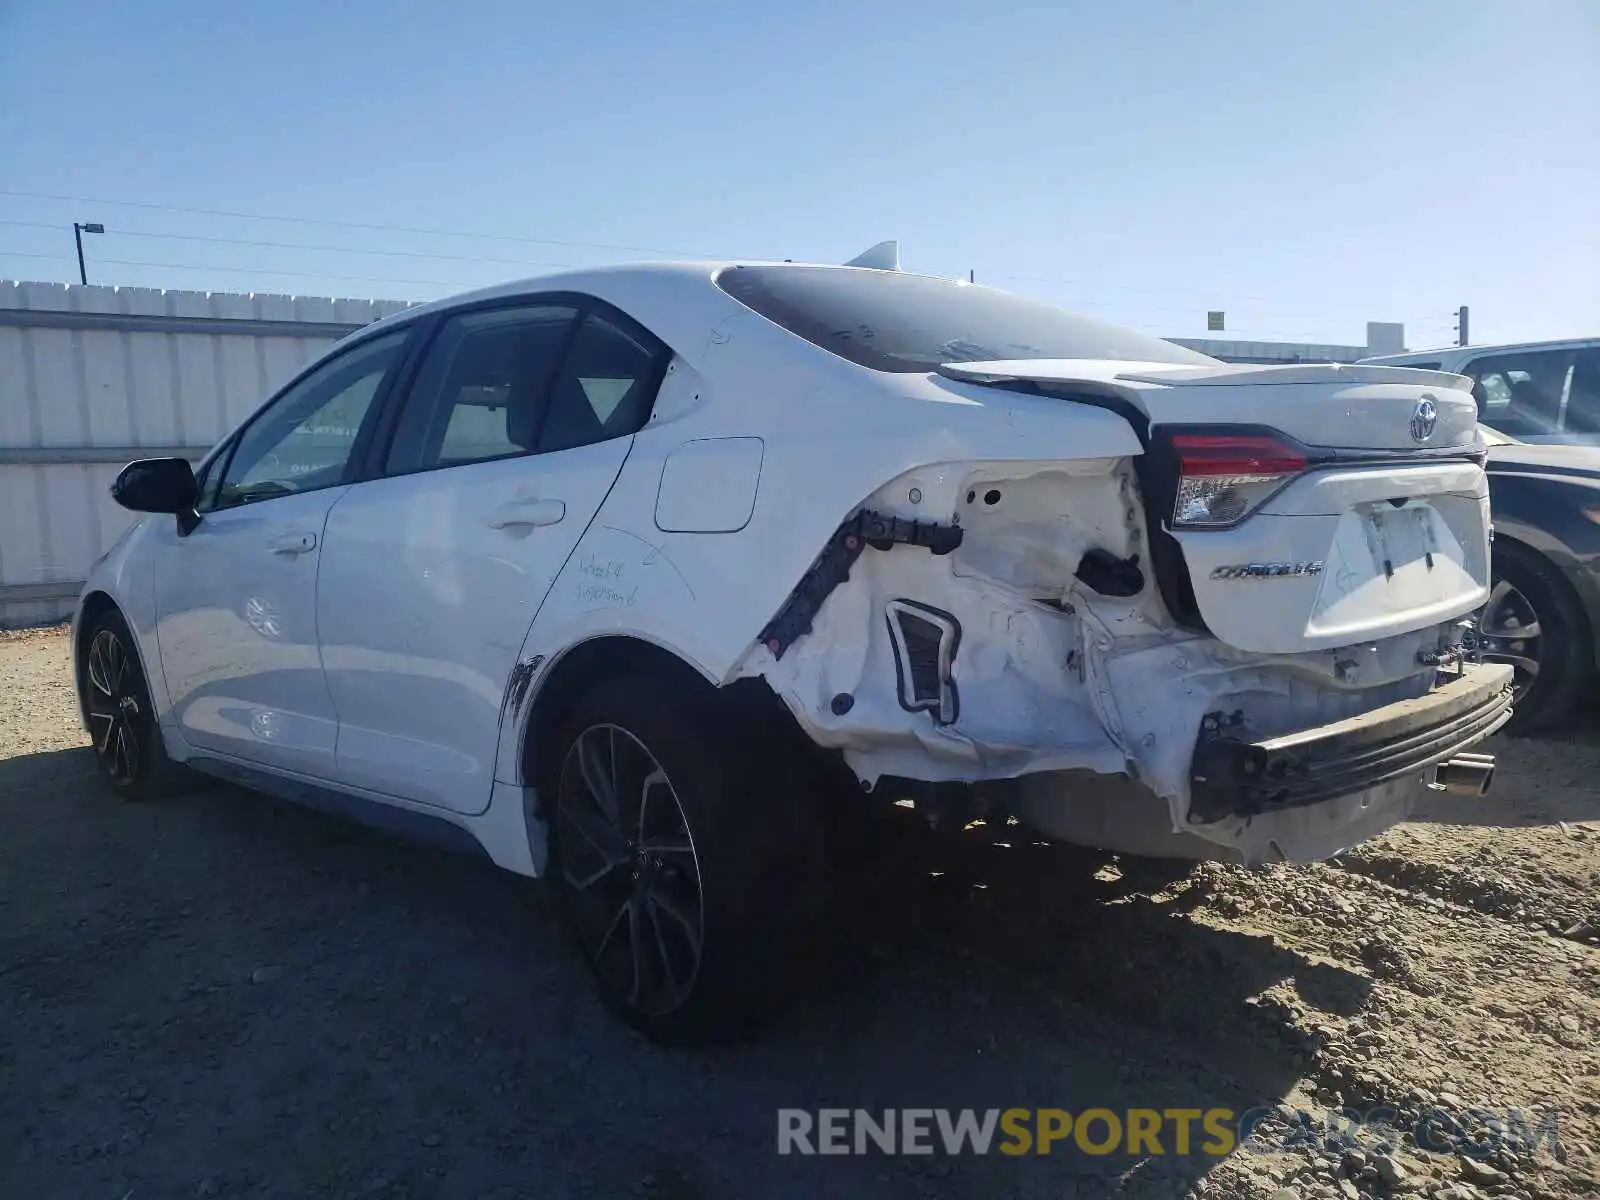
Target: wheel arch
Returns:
[[1566, 571], [577, 669], [605, 658], [91, 608]]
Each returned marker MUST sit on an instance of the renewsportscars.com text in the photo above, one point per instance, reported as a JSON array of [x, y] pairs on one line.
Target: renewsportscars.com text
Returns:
[[1153, 1131]]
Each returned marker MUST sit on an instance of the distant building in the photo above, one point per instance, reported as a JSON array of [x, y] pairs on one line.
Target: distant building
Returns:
[[1383, 337]]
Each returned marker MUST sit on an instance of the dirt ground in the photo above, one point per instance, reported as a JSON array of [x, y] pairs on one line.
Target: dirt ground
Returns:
[[221, 995]]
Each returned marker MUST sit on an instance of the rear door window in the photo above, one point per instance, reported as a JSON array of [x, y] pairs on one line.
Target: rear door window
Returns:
[[482, 388], [1583, 393], [606, 388], [1526, 393]]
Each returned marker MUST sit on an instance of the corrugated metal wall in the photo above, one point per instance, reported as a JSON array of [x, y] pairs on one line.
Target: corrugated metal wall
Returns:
[[92, 377]]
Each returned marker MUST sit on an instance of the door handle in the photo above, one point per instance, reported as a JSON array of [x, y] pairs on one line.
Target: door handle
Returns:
[[526, 514], [291, 544]]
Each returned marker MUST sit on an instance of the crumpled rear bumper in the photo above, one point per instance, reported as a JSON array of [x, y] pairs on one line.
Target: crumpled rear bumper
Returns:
[[1233, 776]]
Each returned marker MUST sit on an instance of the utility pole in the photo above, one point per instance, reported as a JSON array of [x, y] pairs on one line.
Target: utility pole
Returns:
[[78, 230], [1461, 326], [972, 277]]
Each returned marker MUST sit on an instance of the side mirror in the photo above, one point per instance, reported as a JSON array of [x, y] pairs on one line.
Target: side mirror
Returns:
[[157, 485]]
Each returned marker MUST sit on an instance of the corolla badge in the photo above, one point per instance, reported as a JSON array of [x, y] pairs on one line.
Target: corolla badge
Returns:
[[1268, 570], [1423, 418]]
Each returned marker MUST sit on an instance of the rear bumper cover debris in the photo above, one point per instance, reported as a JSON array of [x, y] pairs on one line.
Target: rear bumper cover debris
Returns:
[[1234, 776]]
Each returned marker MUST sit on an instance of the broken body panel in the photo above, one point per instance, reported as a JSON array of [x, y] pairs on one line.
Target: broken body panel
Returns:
[[1026, 566], [1340, 595]]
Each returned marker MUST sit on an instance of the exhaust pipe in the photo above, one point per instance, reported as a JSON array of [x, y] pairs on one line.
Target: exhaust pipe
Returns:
[[1465, 774]]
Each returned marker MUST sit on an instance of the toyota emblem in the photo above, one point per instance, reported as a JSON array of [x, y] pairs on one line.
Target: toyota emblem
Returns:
[[1423, 418]]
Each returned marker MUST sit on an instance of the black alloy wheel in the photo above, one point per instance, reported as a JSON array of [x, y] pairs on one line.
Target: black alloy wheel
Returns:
[[629, 870], [120, 717], [117, 715], [685, 853], [1509, 632], [1534, 622]]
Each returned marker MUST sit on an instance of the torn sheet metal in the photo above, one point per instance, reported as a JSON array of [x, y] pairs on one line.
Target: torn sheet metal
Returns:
[[1052, 674]]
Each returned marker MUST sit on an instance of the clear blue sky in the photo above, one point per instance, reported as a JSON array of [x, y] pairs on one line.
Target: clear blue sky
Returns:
[[1305, 166]]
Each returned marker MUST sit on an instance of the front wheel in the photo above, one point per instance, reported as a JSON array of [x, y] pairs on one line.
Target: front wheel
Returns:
[[121, 719], [678, 856], [1534, 622]]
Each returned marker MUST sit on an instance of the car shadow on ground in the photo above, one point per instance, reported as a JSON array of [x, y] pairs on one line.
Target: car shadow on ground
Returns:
[[222, 992]]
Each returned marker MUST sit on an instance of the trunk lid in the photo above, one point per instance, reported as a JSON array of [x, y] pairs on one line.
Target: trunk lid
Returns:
[[1372, 522], [1320, 404]]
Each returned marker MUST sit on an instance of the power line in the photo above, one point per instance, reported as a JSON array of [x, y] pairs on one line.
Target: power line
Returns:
[[1087, 302], [228, 241], [130, 262], [490, 237], [171, 266], [332, 224], [370, 226], [416, 230], [1114, 287]]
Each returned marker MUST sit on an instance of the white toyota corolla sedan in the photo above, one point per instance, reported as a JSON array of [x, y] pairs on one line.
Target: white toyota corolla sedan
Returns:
[[616, 574]]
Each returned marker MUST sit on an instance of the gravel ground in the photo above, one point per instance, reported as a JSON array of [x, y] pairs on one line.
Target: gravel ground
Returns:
[[220, 995]]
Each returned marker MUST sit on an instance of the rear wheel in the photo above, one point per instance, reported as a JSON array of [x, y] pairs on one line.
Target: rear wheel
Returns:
[[121, 719], [1534, 622], [681, 855]]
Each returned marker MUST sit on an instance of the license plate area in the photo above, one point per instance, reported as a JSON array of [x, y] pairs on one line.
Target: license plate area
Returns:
[[1402, 536], [1390, 567]]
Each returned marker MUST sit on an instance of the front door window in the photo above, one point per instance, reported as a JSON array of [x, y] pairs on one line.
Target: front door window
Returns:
[[304, 440]]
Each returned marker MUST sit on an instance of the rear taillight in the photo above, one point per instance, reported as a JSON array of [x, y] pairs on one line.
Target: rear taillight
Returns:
[[1224, 477]]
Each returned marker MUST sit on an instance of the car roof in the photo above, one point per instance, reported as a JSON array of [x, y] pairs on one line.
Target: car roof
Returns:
[[1451, 353], [586, 280], [615, 277], [677, 301]]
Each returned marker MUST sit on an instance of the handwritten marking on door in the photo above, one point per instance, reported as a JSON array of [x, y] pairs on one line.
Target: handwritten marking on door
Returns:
[[653, 555], [598, 568], [600, 595]]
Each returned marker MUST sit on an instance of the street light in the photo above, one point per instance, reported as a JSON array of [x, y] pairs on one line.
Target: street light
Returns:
[[77, 236]]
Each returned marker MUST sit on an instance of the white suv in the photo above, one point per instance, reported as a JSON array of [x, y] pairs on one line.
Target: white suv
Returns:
[[615, 574], [1532, 391]]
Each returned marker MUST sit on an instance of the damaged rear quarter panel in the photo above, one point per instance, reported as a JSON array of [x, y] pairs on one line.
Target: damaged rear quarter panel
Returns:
[[1052, 673], [1032, 686], [833, 434]]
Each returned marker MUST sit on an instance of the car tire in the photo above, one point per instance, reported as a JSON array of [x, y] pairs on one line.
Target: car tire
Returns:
[[123, 731], [1527, 585], [685, 857]]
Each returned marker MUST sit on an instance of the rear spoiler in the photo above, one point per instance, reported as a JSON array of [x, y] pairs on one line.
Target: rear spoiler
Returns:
[[1334, 373], [1071, 371], [885, 256]]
